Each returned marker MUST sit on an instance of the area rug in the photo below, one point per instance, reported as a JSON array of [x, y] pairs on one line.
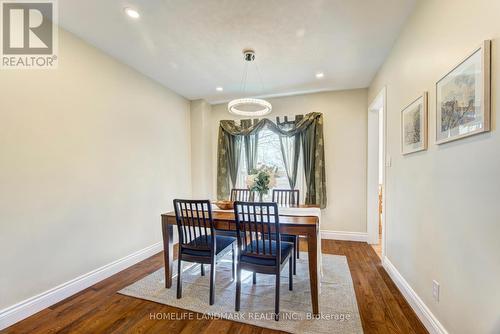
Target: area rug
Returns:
[[338, 308]]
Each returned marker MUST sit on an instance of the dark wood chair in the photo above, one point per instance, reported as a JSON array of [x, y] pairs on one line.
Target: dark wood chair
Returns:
[[198, 240], [237, 194], [260, 247], [244, 195], [289, 197], [286, 197]]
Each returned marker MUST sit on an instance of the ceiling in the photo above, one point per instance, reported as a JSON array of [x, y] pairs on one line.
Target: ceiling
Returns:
[[194, 46]]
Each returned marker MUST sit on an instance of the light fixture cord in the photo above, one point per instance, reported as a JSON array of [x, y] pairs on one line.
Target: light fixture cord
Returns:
[[243, 85], [260, 78]]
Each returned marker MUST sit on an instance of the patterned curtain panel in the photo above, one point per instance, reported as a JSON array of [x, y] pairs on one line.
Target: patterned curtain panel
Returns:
[[308, 131], [228, 162], [314, 164]]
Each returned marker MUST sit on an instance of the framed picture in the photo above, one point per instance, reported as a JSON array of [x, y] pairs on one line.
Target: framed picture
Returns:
[[414, 126], [463, 97]]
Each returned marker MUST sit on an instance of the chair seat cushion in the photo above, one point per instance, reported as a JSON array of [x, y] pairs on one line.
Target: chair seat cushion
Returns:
[[222, 242], [284, 237], [288, 237], [286, 249]]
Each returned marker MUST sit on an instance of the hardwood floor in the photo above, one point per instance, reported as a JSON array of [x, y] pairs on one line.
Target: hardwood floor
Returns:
[[99, 309]]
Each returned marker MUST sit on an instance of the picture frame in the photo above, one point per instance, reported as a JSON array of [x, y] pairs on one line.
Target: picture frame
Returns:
[[463, 97], [414, 120]]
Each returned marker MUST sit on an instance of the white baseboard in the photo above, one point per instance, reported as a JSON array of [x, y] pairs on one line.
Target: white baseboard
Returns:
[[344, 235], [424, 314], [30, 306]]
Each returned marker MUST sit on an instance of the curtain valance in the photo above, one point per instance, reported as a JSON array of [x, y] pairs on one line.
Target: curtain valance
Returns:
[[305, 132], [248, 128]]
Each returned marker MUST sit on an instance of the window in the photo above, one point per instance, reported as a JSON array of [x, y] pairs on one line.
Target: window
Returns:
[[269, 153]]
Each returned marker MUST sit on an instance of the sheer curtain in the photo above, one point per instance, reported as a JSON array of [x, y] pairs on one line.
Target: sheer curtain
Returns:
[[290, 150], [241, 180], [251, 142]]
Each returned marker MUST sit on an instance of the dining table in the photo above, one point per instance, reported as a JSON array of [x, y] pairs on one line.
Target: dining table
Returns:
[[299, 225]]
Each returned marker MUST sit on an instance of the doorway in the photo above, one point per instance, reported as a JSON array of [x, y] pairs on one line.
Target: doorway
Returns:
[[376, 173]]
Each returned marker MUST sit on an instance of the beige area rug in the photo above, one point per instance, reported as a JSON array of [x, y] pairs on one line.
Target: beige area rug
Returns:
[[338, 307]]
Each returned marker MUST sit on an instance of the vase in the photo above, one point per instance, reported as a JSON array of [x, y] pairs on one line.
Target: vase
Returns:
[[261, 197]]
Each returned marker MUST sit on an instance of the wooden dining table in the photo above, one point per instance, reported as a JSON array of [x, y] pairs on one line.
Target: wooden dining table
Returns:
[[307, 226]]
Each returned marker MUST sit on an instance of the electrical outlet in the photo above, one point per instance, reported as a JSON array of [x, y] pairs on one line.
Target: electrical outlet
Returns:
[[435, 290]]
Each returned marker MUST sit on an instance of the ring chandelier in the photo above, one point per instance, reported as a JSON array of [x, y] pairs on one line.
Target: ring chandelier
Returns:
[[249, 106]]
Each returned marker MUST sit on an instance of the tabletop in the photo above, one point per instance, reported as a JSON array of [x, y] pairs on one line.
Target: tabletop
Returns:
[[284, 219]]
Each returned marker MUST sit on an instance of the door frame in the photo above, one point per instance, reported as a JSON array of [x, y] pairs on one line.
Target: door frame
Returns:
[[378, 104]]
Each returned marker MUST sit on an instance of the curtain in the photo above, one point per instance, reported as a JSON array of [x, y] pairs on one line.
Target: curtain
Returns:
[[308, 149], [290, 149], [228, 161], [251, 145], [314, 164], [308, 131]]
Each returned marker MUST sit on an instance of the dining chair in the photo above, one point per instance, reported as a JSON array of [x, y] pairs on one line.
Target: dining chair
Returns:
[[242, 194], [258, 251], [288, 197], [198, 240], [237, 194]]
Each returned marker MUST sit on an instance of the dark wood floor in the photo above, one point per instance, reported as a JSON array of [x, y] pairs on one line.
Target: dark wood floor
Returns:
[[99, 309]]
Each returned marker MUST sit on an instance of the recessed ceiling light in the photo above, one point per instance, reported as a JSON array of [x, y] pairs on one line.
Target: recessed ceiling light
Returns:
[[132, 13], [320, 75], [219, 89]]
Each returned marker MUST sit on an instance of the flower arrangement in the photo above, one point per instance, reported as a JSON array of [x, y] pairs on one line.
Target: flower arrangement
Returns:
[[262, 179]]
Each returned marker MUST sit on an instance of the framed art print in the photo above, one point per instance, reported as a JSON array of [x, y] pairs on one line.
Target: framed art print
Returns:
[[414, 126], [463, 97]]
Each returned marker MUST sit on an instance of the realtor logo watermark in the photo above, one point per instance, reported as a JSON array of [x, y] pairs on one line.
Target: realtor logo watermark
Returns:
[[29, 34]]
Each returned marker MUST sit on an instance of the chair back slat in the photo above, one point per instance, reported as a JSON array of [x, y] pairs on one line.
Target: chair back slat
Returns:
[[194, 224], [286, 197], [256, 223], [241, 194]]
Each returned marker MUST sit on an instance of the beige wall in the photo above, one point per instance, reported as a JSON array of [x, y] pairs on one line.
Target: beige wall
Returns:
[[443, 213], [201, 149], [345, 117], [91, 153]]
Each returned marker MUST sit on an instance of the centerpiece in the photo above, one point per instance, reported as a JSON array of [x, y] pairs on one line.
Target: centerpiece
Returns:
[[262, 179]]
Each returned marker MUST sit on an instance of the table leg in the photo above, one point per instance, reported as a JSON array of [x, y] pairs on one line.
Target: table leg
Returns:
[[312, 250], [168, 250]]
